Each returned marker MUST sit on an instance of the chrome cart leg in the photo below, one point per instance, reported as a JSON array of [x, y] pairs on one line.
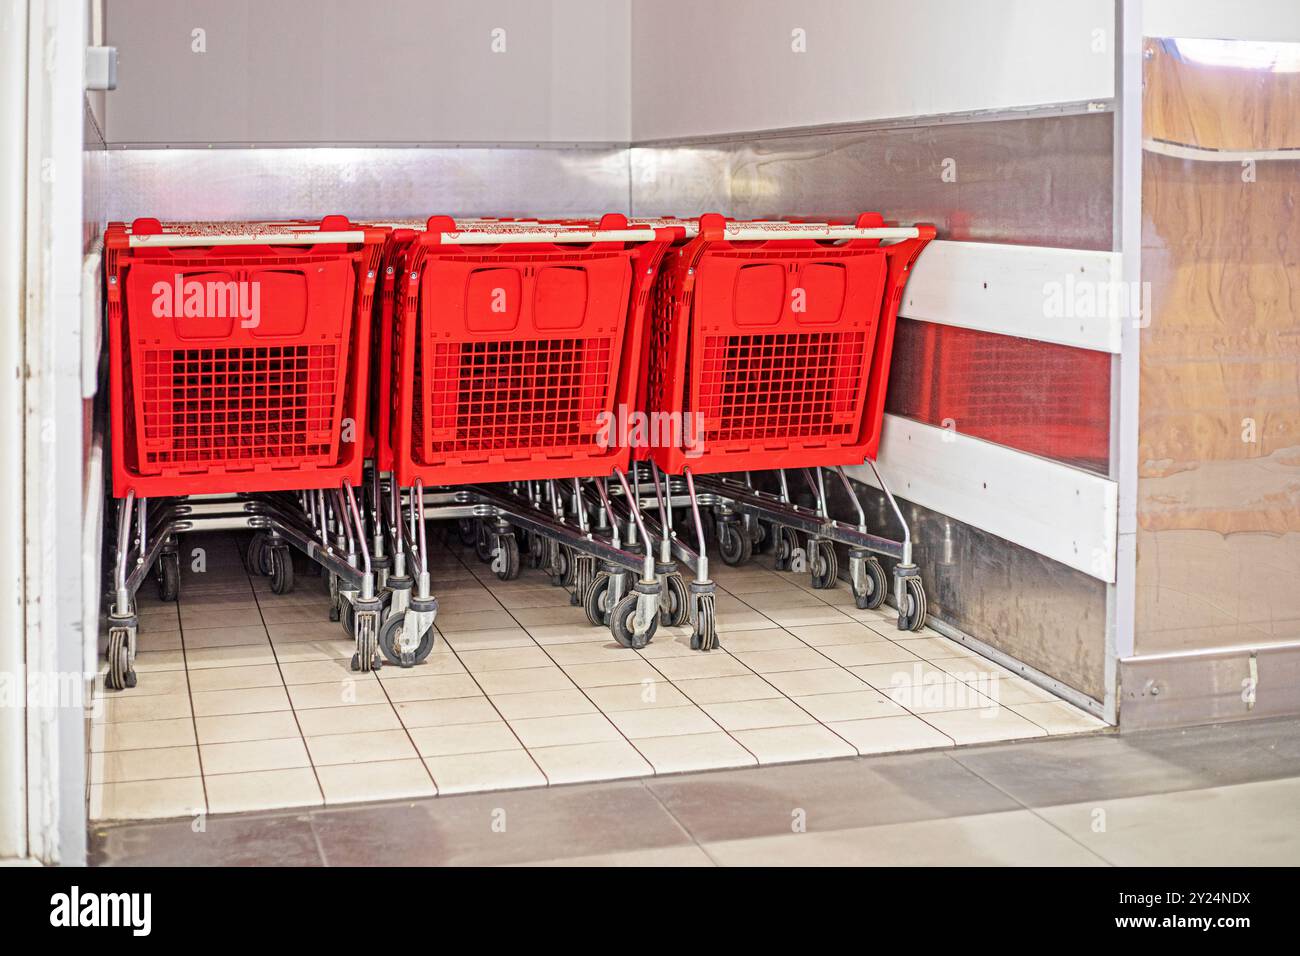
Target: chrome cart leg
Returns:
[[122, 622], [609, 585], [909, 592], [675, 608], [823, 564], [703, 613], [406, 636], [635, 618], [584, 565], [866, 575], [366, 608], [788, 555]]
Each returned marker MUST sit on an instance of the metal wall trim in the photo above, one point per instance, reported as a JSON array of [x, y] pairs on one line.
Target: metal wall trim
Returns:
[[1074, 108], [1175, 690]]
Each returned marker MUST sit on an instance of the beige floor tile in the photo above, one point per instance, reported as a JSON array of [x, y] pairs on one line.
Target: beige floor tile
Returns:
[[158, 683], [318, 672], [319, 722], [433, 687], [150, 662], [383, 780], [200, 618], [937, 696], [465, 600], [864, 704], [779, 598], [157, 639], [357, 690], [752, 714], [254, 700], [934, 648], [559, 731], [663, 722], [794, 659], [507, 658], [441, 661], [830, 635], [235, 678], [464, 739], [296, 632], [293, 613], [147, 799], [881, 652], [972, 669], [674, 856], [984, 725], [898, 673], [789, 744], [1012, 690], [767, 639], [701, 666], [721, 690], [263, 790], [294, 652], [628, 671], [742, 621], [1058, 717], [246, 756], [360, 747], [236, 655], [489, 639], [545, 703], [159, 763], [880, 735], [688, 752], [575, 763], [531, 617], [142, 735], [225, 636], [524, 681], [818, 613], [578, 632], [446, 712], [123, 706], [454, 624], [264, 726], [502, 770], [589, 652], [649, 693], [827, 680]]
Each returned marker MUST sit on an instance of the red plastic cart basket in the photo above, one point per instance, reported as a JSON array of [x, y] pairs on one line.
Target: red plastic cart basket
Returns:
[[515, 347], [238, 354], [771, 341]]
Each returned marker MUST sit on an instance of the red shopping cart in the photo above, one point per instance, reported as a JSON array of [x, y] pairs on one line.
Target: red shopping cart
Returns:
[[239, 354]]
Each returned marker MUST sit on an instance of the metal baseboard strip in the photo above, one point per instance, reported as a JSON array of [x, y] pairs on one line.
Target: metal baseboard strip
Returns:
[[1209, 686]]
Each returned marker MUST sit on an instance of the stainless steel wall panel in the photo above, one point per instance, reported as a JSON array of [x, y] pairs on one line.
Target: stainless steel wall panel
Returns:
[[396, 183]]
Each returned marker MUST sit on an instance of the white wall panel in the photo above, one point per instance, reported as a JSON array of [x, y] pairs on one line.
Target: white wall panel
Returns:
[[728, 65], [1277, 20]]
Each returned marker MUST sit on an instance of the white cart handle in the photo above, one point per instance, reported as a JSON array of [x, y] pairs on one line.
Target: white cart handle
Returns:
[[486, 237], [165, 239], [743, 232]]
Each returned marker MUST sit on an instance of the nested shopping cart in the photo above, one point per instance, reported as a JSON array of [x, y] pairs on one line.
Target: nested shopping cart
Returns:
[[239, 356], [770, 350], [515, 347]]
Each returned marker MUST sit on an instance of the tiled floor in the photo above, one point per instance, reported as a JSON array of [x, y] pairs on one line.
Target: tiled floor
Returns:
[[246, 701], [1206, 796]]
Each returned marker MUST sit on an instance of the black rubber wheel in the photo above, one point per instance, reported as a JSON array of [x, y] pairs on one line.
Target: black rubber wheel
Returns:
[[734, 543], [911, 606], [388, 637], [120, 675], [257, 558], [620, 623], [483, 544], [367, 644], [877, 586], [675, 607], [786, 544], [761, 535], [508, 567], [169, 576], [281, 569], [596, 602], [536, 550], [467, 528], [823, 565]]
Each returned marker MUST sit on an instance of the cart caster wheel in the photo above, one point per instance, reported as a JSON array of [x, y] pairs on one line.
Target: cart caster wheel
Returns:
[[335, 614], [121, 672], [467, 529], [281, 569], [734, 543], [560, 565], [620, 623], [367, 627], [676, 608], [761, 536], [704, 637], [483, 543], [877, 586], [582, 576], [505, 557], [596, 603], [389, 634], [786, 544], [258, 555], [911, 605], [536, 551], [824, 565], [169, 576]]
